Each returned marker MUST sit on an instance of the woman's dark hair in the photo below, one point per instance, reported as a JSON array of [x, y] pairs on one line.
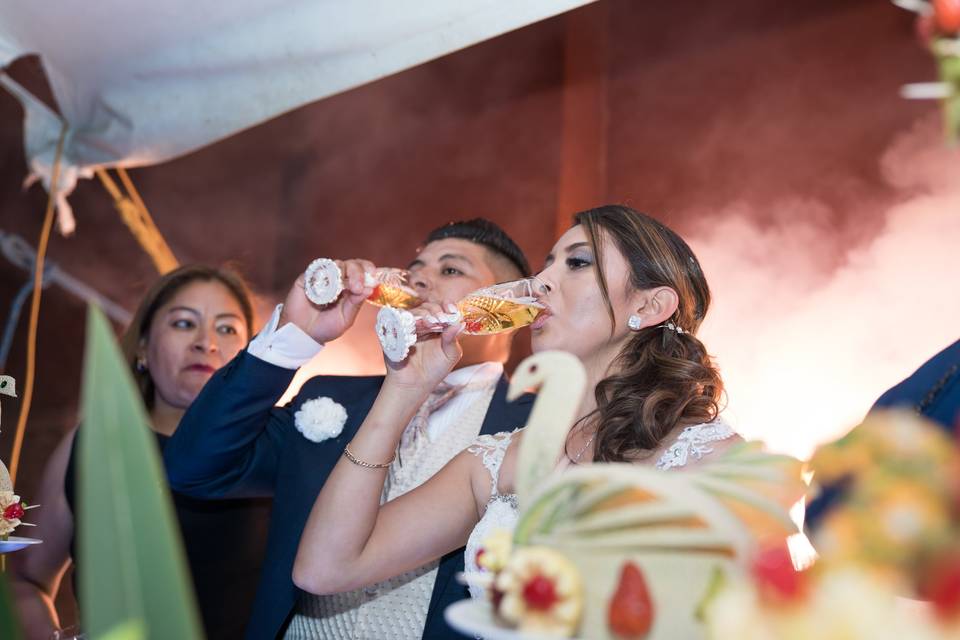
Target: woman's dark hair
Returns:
[[165, 288], [662, 378]]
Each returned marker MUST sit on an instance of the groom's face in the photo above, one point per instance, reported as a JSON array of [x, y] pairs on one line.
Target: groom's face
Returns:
[[449, 269]]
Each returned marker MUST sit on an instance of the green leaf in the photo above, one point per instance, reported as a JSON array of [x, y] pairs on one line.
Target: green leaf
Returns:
[[129, 630], [9, 625], [131, 561]]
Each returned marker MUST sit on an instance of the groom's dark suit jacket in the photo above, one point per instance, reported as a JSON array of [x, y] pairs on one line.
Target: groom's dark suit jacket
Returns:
[[233, 442]]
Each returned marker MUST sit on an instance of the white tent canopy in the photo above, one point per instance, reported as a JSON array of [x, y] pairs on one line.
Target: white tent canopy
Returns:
[[139, 83]]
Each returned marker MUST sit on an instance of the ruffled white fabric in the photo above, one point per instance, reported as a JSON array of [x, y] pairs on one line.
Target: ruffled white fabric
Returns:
[[397, 332], [320, 419]]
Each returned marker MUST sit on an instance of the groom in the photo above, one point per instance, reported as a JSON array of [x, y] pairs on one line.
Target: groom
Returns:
[[234, 442]]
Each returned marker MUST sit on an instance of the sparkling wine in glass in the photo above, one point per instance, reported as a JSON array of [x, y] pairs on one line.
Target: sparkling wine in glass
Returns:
[[502, 307], [323, 283], [393, 289]]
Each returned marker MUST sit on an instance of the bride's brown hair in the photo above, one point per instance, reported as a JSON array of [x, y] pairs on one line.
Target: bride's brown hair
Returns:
[[661, 378]]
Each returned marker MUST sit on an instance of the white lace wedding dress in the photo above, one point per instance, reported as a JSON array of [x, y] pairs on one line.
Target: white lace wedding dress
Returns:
[[502, 510]]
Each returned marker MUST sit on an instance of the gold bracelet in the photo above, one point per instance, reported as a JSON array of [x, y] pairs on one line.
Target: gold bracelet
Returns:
[[367, 465]]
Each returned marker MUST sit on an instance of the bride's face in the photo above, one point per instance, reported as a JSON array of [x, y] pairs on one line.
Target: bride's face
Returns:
[[576, 318]]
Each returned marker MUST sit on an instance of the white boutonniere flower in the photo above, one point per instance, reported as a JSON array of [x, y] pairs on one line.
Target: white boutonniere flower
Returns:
[[320, 419]]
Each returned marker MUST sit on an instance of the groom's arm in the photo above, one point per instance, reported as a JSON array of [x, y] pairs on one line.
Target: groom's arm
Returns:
[[229, 441]]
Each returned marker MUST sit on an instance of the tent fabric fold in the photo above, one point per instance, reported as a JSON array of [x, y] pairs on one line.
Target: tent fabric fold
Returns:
[[141, 83]]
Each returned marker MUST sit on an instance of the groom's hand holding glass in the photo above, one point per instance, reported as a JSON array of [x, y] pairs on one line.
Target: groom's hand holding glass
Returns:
[[328, 322]]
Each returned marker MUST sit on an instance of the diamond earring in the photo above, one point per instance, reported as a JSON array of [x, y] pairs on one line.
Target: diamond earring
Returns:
[[635, 322]]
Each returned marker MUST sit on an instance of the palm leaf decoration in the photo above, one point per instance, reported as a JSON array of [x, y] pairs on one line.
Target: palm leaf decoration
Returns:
[[133, 576], [9, 625]]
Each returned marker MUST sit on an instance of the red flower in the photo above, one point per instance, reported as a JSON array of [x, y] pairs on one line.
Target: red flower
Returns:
[[947, 15]]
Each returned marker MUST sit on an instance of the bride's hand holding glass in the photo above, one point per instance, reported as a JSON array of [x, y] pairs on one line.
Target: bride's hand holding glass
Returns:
[[436, 353]]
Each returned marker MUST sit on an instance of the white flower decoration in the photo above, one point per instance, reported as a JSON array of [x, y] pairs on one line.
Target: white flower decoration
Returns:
[[320, 419], [397, 332], [323, 281]]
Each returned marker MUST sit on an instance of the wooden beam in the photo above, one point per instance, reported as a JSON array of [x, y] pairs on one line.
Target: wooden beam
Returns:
[[583, 149]]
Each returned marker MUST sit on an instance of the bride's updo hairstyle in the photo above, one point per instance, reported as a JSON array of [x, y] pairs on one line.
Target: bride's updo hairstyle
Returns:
[[662, 378]]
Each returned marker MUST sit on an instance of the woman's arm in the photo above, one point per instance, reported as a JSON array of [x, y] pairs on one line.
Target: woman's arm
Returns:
[[35, 572], [350, 540]]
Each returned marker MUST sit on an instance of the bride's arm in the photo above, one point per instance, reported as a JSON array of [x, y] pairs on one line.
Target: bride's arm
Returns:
[[347, 544], [350, 540]]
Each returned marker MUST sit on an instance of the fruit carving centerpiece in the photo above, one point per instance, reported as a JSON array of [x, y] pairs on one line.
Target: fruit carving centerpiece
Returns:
[[12, 509], [623, 550], [938, 26], [889, 546]]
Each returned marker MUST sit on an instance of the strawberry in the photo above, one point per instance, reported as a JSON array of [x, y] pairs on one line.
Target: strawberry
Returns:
[[13, 512], [776, 578], [630, 615], [947, 15]]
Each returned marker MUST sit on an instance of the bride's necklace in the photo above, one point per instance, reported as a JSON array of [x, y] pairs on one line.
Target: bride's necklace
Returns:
[[583, 449]]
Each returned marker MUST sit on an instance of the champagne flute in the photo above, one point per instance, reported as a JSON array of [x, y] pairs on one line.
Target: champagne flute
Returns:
[[501, 307], [323, 283]]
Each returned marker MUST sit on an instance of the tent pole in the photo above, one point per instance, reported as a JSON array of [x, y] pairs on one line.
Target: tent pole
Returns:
[[35, 311]]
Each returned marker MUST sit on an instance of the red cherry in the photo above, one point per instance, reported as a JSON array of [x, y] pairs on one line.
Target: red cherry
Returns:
[[947, 15], [775, 575], [13, 512], [630, 614], [539, 593]]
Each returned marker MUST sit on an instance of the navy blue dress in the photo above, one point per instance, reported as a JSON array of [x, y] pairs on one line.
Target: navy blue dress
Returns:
[[224, 541]]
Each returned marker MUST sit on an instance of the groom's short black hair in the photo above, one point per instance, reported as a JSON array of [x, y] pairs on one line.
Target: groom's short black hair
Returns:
[[486, 233]]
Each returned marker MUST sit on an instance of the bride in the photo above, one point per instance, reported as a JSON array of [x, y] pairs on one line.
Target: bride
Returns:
[[624, 294]]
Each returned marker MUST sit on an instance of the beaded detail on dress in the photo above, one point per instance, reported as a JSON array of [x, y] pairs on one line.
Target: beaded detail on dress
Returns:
[[694, 441]]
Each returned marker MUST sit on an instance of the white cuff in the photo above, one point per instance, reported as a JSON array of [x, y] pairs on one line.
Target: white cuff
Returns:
[[288, 347]]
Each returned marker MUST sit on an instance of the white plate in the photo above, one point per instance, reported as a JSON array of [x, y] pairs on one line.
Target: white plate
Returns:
[[14, 543], [474, 618]]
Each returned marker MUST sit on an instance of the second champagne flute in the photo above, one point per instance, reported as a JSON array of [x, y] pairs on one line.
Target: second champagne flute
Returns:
[[323, 283]]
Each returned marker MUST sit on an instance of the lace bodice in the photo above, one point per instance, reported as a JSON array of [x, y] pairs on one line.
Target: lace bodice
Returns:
[[502, 510]]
